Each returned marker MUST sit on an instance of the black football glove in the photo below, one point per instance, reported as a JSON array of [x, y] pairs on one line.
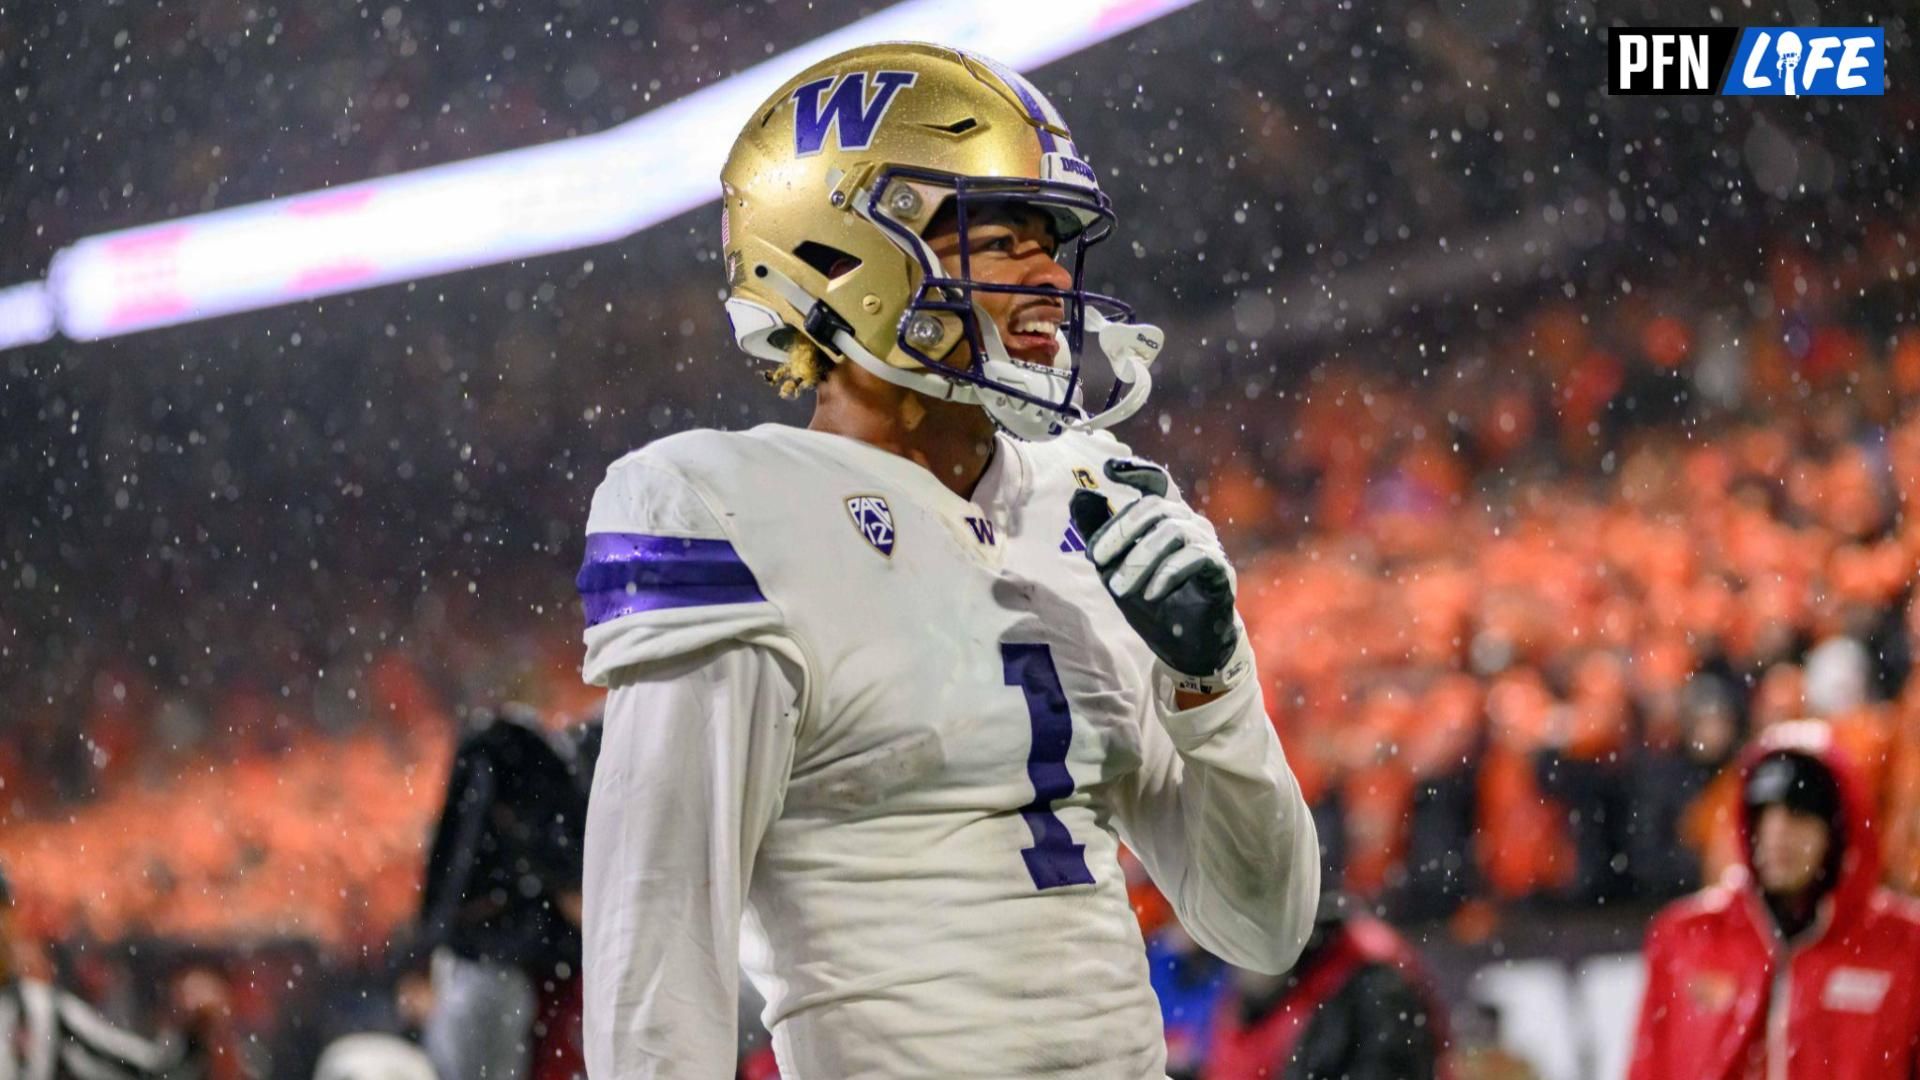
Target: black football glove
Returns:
[[1169, 575]]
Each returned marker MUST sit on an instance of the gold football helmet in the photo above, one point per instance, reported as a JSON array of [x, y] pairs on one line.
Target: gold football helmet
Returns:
[[828, 194]]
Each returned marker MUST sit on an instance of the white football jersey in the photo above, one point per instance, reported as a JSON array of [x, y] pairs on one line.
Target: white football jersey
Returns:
[[899, 735]]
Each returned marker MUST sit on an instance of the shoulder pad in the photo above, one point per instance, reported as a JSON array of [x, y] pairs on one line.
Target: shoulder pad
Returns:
[[661, 575]]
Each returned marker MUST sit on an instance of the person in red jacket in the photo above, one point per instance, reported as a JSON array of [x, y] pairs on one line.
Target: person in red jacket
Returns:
[[1797, 965]]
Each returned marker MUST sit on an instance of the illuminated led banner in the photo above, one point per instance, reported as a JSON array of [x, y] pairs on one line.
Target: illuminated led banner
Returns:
[[558, 197]]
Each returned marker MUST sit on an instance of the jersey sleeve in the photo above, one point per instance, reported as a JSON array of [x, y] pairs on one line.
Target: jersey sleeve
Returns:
[[692, 772], [706, 685], [662, 577], [1217, 818]]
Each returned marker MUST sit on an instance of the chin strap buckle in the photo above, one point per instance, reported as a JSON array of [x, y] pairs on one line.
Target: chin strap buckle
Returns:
[[822, 323]]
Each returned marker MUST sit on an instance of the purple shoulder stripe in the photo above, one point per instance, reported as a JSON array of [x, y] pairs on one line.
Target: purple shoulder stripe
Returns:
[[626, 573]]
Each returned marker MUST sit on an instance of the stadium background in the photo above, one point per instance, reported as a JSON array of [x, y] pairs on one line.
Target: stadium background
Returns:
[[1563, 440]]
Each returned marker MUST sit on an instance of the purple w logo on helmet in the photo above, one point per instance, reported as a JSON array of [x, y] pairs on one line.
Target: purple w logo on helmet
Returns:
[[849, 106]]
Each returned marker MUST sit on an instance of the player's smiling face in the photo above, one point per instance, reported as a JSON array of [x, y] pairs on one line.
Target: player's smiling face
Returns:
[[1008, 245]]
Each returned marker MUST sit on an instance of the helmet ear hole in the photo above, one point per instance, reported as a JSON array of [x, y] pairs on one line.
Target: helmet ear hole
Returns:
[[829, 261]]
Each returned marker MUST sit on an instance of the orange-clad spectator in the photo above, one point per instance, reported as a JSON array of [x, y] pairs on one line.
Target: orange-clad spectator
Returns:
[[121, 707], [1583, 765], [1448, 729], [1781, 696], [400, 696], [1594, 381], [1240, 503], [1594, 724], [1904, 364], [1342, 499], [1666, 340], [1903, 797], [1378, 789], [1833, 353], [1506, 422], [1523, 844], [1441, 753], [1870, 576], [14, 773], [1440, 598]]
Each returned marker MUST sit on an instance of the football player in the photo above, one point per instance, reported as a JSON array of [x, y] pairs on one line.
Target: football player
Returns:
[[888, 692]]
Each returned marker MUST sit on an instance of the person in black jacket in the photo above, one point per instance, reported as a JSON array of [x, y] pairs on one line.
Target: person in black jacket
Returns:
[[1357, 1006], [501, 904]]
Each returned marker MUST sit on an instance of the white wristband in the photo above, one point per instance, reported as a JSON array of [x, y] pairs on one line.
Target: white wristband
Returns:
[[1237, 669]]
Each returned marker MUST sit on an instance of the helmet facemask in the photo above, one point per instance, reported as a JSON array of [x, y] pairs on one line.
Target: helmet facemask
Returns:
[[1030, 400]]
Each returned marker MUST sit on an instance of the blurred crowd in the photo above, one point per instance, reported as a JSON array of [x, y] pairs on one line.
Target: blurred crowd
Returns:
[[1528, 552], [1515, 619], [277, 501]]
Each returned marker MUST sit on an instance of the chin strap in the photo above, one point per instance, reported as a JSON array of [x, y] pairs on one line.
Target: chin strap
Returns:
[[926, 382], [1130, 348]]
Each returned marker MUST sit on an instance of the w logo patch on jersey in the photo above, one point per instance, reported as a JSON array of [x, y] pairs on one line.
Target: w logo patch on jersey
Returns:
[[851, 107], [874, 518]]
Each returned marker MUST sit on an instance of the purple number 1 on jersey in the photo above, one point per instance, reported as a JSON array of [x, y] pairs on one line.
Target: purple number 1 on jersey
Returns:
[[1054, 860]]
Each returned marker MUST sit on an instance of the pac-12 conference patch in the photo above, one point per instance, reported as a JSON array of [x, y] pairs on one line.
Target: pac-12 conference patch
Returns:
[[874, 518]]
